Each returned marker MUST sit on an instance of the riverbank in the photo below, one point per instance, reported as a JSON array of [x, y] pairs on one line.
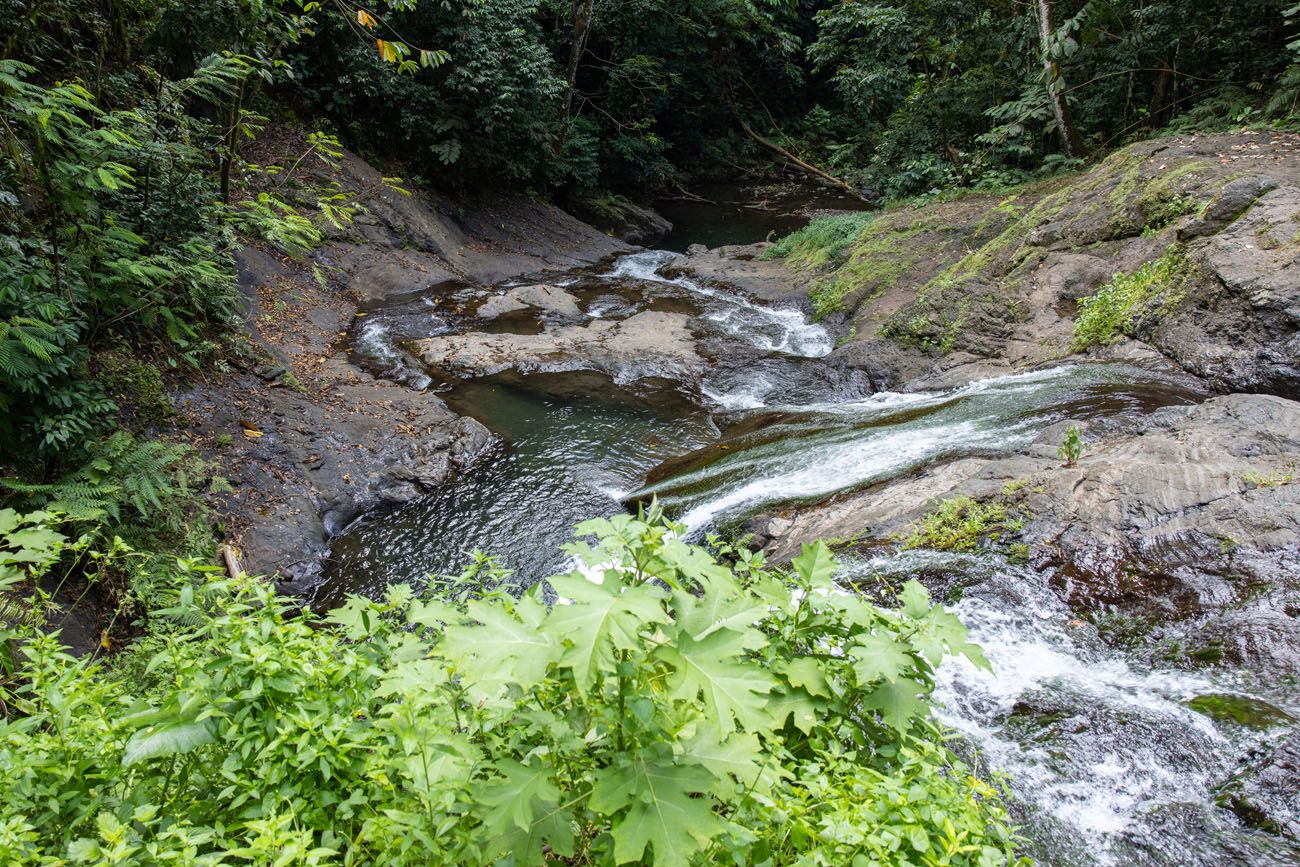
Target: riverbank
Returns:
[[308, 438], [1169, 544]]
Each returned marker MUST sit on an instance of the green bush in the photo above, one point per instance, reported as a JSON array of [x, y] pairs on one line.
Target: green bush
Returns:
[[823, 243], [667, 709], [104, 227], [960, 524], [1071, 446]]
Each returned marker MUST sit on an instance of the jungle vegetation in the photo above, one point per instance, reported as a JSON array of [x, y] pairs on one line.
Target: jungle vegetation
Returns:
[[691, 705]]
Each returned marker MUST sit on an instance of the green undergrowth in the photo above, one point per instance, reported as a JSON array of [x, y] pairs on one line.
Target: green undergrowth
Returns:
[[676, 706], [856, 257], [1148, 294], [822, 243], [1281, 476], [964, 524]]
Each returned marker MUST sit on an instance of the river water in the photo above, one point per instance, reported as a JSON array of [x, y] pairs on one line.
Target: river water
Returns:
[[1104, 760]]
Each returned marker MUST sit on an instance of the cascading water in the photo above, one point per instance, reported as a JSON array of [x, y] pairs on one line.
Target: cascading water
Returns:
[[1106, 762], [817, 449], [771, 329]]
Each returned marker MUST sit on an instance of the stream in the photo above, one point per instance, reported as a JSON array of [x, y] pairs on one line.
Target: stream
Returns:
[[1104, 760]]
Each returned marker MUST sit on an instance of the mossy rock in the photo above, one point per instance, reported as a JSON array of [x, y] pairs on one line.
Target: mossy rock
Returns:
[[1242, 710], [136, 385]]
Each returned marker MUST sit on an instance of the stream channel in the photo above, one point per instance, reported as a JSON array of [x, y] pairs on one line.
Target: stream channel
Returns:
[[1105, 761]]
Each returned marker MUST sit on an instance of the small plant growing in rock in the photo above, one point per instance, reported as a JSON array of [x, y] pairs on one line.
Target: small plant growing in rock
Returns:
[[1072, 446], [1283, 476]]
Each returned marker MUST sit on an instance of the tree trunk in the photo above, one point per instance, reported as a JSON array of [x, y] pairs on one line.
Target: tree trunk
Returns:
[[581, 11], [807, 167], [1160, 99], [1070, 141]]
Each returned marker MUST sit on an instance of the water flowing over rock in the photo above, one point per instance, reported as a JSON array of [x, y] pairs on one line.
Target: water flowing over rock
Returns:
[[1140, 606]]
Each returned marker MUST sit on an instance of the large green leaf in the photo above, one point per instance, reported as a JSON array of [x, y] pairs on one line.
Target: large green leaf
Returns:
[[735, 759], [702, 616], [898, 703], [734, 687], [876, 656], [815, 564], [167, 739], [594, 620], [795, 705], [699, 567], [654, 804], [501, 647], [516, 801], [523, 813], [806, 672], [941, 633], [914, 599]]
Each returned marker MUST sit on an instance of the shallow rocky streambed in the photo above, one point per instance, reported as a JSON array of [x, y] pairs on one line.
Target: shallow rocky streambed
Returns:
[[615, 384]]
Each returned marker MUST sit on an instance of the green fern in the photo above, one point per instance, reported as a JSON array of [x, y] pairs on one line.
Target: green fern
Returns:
[[151, 479]]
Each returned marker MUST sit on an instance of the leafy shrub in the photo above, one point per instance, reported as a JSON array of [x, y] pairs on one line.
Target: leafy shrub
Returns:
[[140, 489], [1071, 447], [1282, 476], [104, 227], [1153, 290], [667, 709]]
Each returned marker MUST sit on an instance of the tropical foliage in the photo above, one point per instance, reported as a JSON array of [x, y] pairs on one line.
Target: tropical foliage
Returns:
[[898, 97], [667, 708]]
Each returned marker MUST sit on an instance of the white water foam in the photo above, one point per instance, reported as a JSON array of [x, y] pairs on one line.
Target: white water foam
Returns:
[[773, 329], [836, 467], [751, 394], [1127, 743], [373, 340]]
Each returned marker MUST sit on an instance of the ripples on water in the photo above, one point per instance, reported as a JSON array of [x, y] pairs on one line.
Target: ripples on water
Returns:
[[813, 450]]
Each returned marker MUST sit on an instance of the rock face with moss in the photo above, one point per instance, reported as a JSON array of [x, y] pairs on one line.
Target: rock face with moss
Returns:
[[1186, 245], [1179, 255]]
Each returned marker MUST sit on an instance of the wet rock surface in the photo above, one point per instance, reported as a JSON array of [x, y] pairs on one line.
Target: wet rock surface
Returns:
[[646, 345], [1240, 329], [309, 438], [1265, 791], [742, 268]]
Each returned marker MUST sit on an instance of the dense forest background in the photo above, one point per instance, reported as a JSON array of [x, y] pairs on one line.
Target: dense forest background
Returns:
[[898, 98]]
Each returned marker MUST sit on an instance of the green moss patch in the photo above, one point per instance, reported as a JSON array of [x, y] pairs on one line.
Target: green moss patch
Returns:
[[1241, 710]]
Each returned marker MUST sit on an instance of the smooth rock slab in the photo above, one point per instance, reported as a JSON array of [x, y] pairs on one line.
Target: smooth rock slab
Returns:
[[650, 344]]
